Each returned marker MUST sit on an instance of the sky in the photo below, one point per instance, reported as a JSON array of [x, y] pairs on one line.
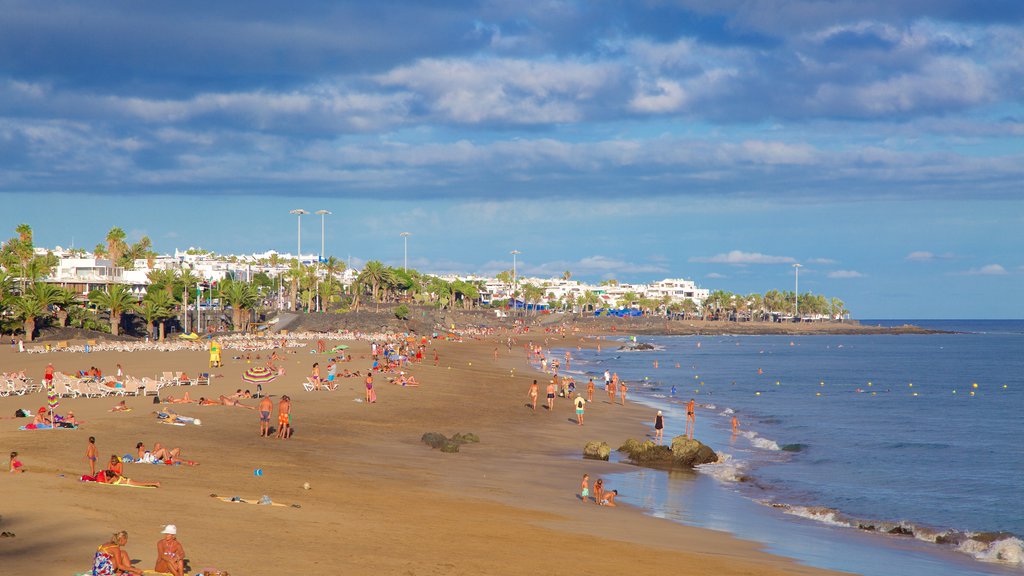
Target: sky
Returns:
[[878, 144]]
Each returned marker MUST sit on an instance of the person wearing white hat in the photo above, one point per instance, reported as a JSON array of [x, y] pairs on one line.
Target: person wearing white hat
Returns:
[[659, 427], [170, 556]]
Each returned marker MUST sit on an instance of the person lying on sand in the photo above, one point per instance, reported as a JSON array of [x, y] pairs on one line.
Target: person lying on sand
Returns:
[[111, 477], [170, 399], [224, 401], [160, 454], [120, 407]]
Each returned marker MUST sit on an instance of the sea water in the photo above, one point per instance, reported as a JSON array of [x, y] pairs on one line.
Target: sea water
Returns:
[[874, 454]]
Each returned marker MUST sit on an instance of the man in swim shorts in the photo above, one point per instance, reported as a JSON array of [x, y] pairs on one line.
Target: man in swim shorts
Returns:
[[551, 396], [266, 407]]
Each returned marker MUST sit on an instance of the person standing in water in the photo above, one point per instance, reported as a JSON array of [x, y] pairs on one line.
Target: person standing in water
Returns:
[[691, 418]]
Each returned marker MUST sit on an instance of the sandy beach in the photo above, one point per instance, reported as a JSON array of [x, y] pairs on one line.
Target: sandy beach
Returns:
[[380, 501]]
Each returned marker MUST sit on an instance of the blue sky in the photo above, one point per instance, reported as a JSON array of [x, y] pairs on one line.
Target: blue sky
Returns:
[[880, 144]]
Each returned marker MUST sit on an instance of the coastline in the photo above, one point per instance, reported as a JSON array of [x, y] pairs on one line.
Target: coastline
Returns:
[[975, 552], [375, 488]]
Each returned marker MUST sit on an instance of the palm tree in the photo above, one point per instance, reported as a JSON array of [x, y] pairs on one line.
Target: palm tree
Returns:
[[65, 300], [118, 300], [184, 281], [28, 308], [24, 233], [33, 305], [589, 300], [332, 269], [533, 294], [294, 275], [242, 298], [115, 244], [155, 306], [689, 308], [374, 273], [164, 304], [566, 275]]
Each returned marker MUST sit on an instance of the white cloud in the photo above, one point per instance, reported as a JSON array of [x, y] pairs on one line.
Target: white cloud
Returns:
[[737, 257], [715, 276], [592, 266], [987, 270], [821, 261], [845, 274], [925, 256]]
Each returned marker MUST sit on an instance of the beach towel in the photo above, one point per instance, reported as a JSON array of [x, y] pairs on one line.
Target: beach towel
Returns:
[[264, 501], [46, 427]]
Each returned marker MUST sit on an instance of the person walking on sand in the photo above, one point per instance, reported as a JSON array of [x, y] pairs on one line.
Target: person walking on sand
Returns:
[[691, 418], [622, 392], [659, 427], [581, 405], [91, 453], [590, 390], [48, 375], [170, 555], [284, 417], [532, 395], [585, 488], [551, 395], [265, 408]]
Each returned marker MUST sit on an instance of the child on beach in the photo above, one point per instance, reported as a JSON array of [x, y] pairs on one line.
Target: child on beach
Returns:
[[90, 454], [598, 491], [16, 467], [609, 498], [585, 488]]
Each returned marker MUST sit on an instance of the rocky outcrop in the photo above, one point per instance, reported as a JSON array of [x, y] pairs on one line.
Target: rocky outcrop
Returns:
[[683, 453], [440, 441], [595, 450], [689, 452], [637, 347]]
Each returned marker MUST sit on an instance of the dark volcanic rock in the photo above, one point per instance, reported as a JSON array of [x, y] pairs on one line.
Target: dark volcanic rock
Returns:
[[683, 453], [597, 451]]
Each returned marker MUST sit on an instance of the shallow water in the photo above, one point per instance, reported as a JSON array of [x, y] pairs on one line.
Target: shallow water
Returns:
[[848, 430]]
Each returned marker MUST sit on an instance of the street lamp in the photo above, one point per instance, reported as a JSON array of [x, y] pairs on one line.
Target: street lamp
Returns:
[[299, 212], [405, 240], [514, 253], [322, 214], [796, 291]]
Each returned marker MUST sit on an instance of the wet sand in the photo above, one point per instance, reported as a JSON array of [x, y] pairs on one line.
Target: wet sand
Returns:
[[380, 502]]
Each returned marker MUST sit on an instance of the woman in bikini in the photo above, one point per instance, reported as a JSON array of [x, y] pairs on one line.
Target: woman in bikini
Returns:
[[111, 559]]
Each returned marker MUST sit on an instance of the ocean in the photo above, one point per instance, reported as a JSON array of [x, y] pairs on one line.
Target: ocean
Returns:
[[872, 454]]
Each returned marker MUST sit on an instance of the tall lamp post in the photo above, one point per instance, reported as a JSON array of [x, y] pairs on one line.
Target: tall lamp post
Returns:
[[514, 253], [322, 214], [405, 240], [299, 212], [796, 291]]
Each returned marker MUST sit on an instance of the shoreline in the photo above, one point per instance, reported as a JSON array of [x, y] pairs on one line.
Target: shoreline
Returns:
[[372, 482], [979, 551]]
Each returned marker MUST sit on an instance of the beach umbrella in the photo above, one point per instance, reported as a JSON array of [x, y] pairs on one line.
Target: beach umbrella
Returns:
[[259, 375]]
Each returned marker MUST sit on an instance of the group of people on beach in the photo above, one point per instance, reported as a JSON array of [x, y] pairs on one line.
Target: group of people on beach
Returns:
[[601, 496], [112, 558]]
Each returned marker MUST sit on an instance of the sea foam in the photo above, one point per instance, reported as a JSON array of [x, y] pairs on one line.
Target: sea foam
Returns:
[[727, 469], [760, 442]]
